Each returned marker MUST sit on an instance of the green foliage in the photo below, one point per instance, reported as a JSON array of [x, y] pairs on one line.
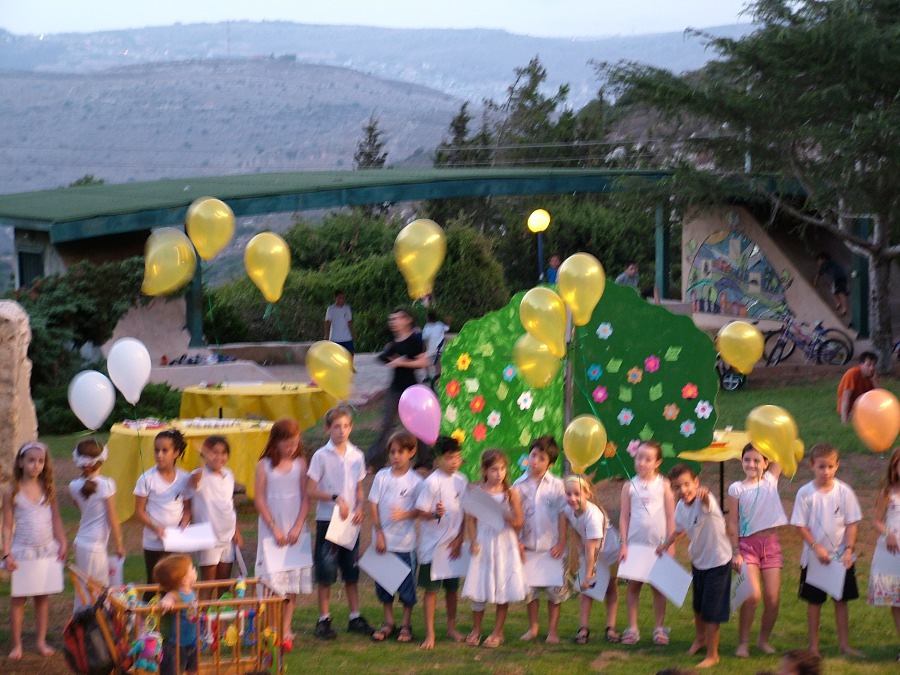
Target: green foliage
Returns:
[[370, 152], [87, 179], [348, 237]]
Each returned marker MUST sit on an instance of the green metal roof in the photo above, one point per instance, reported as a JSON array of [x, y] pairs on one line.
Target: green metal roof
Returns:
[[84, 212]]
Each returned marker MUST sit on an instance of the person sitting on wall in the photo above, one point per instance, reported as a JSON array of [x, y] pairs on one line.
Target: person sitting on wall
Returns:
[[829, 268], [856, 382]]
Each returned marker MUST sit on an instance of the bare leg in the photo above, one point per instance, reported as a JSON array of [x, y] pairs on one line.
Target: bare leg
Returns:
[[712, 646], [771, 598], [42, 619], [451, 598], [895, 612], [207, 573], [288, 614], [477, 620], [429, 604], [223, 570], [612, 603], [502, 611], [813, 618], [659, 608], [553, 627], [532, 631], [324, 595], [748, 610], [699, 635], [632, 600], [16, 619], [389, 613], [352, 591], [842, 621], [407, 615]]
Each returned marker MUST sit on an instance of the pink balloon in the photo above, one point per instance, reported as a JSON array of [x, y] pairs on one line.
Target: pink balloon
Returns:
[[420, 412]]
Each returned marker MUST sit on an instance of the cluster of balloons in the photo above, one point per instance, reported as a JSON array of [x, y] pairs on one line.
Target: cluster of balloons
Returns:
[[773, 431], [419, 250], [91, 394], [581, 282], [876, 419], [740, 345]]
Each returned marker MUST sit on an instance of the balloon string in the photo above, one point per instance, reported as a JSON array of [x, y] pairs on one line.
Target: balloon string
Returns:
[[272, 310], [204, 268], [269, 309]]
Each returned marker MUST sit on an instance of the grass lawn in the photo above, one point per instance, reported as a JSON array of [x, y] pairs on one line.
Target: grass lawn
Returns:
[[813, 407]]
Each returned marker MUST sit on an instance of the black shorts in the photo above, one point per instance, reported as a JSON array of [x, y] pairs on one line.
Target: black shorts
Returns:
[[839, 286], [429, 586], [816, 596], [187, 660], [712, 593], [328, 558]]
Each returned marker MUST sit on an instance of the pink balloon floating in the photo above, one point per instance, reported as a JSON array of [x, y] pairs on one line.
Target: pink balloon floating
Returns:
[[420, 412]]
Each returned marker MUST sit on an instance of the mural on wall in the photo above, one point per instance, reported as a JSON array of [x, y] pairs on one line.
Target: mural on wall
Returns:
[[731, 275]]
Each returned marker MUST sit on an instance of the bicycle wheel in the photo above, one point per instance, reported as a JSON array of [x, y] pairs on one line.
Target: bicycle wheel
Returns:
[[833, 353], [771, 339], [777, 353], [838, 334]]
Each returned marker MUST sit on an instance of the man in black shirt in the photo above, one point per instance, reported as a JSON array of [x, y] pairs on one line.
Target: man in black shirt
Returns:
[[405, 354]]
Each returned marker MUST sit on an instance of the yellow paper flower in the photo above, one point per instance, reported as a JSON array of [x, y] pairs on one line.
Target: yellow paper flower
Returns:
[[464, 361], [459, 435]]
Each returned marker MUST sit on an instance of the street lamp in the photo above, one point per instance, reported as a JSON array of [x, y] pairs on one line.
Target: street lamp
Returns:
[[539, 221]]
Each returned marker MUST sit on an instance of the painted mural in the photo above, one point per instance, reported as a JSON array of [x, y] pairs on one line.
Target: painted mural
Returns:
[[731, 275]]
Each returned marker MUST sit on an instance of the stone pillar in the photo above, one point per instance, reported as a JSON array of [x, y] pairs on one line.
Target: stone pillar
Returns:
[[16, 406]]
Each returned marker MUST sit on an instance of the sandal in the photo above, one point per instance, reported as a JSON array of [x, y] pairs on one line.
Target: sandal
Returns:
[[473, 639], [630, 637], [660, 635], [492, 642], [406, 634], [582, 636], [612, 635], [383, 633]]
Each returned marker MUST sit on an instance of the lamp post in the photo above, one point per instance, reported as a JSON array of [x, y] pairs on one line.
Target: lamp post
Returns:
[[539, 221]]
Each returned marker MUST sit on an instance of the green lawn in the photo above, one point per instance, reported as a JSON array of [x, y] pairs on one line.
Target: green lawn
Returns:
[[813, 407]]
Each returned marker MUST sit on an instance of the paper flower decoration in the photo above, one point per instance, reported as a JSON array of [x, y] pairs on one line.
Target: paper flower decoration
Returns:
[[477, 404], [509, 373], [633, 446], [635, 375], [689, 391], [458, 435], [604, 330], [600, 394], [703, 409], [625, 416], [610, 449], [525, 400], [479, 432], [493, 419], [688, 427], [452, 388], [651, 364], [594, 372], [464, 361], [670, 412]]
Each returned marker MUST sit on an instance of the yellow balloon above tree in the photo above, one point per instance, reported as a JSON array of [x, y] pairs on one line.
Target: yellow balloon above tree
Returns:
[[543, 315], [420, 249], [267, 260], [169, 261], [581, 281], [210, 225]]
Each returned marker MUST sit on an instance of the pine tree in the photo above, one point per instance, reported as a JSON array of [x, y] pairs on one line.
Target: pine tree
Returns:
[[370, 152]]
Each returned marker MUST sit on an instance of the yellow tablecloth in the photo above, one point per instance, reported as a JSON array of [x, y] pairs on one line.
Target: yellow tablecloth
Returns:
[[266, 401], [728, 446], [131, 453]]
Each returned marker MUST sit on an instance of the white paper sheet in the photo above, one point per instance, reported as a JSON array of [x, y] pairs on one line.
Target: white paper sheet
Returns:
[[597, 590], [543, 570], [638, 563], [282, 558], [741, 588], [444, 568], [116, 568], [193, 538], [670, 579], [828, 578], [478, 503], [37, 577], [885, 562], [386, 569], [342, 532]]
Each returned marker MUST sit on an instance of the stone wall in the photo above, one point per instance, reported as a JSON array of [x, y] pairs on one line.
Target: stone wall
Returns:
[[16, 406]]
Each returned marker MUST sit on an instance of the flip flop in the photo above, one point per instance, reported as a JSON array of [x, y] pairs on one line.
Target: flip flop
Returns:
[[473, 639], [582, 636], [612, 635], [630, 637], [492, 642]]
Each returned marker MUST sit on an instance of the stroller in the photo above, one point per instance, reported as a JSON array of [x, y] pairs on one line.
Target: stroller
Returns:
[[729, 378]]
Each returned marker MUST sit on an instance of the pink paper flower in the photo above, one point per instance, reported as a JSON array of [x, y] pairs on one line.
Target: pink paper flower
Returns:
[[600, 394], [651, 364], [633, 446], [703, 410]]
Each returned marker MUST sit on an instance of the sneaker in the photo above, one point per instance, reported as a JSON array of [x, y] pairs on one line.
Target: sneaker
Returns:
[[360, 625], [324, 631]]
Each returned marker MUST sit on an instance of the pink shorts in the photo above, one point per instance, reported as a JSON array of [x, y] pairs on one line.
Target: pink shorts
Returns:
[[764, 552]]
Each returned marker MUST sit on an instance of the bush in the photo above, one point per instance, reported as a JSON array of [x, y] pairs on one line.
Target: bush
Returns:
[[348, 237]]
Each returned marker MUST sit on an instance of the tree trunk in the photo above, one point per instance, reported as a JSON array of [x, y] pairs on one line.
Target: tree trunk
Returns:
[[881, 331]]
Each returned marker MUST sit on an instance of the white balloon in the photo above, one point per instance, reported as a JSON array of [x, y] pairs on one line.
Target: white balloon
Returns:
[[91, 397], [129, 367]]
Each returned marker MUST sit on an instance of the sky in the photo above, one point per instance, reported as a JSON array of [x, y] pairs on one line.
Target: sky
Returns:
[[543, 18]]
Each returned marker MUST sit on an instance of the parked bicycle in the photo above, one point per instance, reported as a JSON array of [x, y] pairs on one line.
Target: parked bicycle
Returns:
[[815, 344], [771, 337]]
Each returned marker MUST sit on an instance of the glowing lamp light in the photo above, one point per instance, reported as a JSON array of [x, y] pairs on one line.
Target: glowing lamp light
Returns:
[[538, 221]]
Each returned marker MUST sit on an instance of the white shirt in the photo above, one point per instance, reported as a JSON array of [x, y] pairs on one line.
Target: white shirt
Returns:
[[165, 502], [759, 505], [542, 502], [388, 492], [591, 524], [93, 531], [340, 318], [826, 515], [432, 334], [213, 503], [705, 527], [449, 489], [337, 475]]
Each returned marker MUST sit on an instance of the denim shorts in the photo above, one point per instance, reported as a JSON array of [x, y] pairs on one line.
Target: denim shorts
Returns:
[[329, 558], [407, 590]]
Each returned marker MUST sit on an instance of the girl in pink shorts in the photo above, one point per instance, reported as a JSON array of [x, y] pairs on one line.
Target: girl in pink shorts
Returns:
[[754, 514]]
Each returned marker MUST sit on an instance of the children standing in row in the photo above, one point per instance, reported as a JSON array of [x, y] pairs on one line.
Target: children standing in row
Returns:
[[32, 530], [884, 588], [93, 496]]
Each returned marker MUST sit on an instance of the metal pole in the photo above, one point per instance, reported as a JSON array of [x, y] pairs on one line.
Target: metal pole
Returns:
[[540, 256]]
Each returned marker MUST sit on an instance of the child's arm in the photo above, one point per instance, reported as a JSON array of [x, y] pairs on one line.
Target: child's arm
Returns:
[[624, 520], [59, 530], [380, 543], [850, 540], [113, 519], [590, 563], [669, 543], [880, 510], [168, 601], [294, 535], [514, 516], [818, 550], [456, 545], [733, 529], [360, 503], [7, 509], [140, 512], [774, 469], [315, 493], [669, 502], [196, 475], [185, 513], [262, 508], [470, 524], [560, 547]]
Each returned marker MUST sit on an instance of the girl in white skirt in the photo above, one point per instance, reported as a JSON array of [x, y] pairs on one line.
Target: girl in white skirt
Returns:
[[884, 588]]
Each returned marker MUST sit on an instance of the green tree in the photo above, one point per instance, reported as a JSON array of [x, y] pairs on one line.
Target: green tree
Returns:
[[87, 179], [370, 152], [806, 105]]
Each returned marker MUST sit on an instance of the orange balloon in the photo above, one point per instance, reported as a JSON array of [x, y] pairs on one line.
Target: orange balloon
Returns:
[[876, 419]]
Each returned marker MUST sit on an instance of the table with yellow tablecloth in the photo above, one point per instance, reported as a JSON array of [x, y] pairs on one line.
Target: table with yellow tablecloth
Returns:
[[261, 400], [131, 452]]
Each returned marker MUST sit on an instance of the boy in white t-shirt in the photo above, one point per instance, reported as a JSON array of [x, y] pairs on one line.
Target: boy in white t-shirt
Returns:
[[442, 522], [699, 516], [392, 498], [827, 514], [335, 476], [339, 323]]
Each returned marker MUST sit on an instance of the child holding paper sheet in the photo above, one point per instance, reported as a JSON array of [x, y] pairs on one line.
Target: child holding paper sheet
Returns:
[[698, 515], [93, 495], [393, 501], [162, 497], [213, 503], [543, 530], [884, 586], [495, 571], [441, 524], [32, 531], [281, 499], [827, 514], [754, 515], [647, 518]]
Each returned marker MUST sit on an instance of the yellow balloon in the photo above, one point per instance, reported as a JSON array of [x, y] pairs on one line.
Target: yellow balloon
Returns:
[[210, 225], [740, 345], [330, 367], [773, 432], [267, 260], [419, 249], [534, 362], [544, 316], [581, 281], [169, 261], [584, 442]]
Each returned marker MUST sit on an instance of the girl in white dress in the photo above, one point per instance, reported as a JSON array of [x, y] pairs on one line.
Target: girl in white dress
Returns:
[[94, 494], [495, 570], [282, 503], [884, 589], [32, 530], [647, 518]]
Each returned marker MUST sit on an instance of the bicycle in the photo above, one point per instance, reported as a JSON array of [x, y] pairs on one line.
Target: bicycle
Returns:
[[815, 345], [771, 336]]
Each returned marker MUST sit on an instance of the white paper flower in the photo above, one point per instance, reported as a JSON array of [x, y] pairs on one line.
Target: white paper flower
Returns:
[[703, 409], [493, 419], [525, 400], [451, 415], [604, 331]]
